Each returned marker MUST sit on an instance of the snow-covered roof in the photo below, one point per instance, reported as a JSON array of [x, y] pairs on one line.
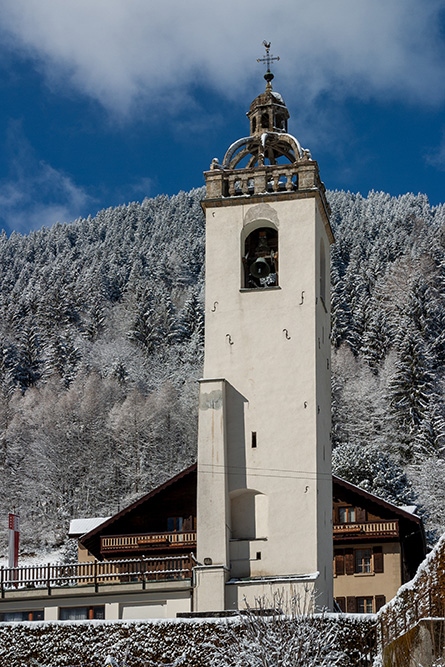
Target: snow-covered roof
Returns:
[[312, 576], [278, 97], [411, 509], [79, 527], [407, 511]]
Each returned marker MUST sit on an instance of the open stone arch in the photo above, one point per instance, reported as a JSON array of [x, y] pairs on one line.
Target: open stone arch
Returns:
[[249, 514], [267, 148]]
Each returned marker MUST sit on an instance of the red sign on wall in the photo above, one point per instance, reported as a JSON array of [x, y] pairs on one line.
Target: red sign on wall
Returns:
[[13, 523]]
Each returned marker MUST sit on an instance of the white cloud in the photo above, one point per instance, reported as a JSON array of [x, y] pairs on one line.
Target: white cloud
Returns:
[[36, 194], [136, 53], [436, 157], [144, 186]]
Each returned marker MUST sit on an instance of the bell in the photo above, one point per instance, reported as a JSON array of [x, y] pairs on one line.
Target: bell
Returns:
[[260, 268]]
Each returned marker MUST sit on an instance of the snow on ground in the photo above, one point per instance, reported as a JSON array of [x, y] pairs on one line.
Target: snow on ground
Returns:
[[43, 558]]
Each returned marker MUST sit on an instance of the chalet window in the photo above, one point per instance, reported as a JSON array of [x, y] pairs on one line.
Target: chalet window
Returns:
[[378, 559], [189, 522], [17, 616], [380, 600], [339, 562], [175, 524], [360, 515], [363, 561], [364, 605], [351, 604], [81, 613], [349, 561], [341, 603], [361, 605], [358, 561], [346, 514]]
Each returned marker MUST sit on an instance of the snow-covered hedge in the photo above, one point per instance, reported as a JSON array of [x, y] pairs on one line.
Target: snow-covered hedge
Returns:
[[188, 643], [418, 606], [422, 597]]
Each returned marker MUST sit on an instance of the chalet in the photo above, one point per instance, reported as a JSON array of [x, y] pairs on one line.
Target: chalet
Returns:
[[377, 548]]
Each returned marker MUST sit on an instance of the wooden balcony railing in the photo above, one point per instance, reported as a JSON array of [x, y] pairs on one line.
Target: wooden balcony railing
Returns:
[[141, 570], [368, 530], [114, 543]]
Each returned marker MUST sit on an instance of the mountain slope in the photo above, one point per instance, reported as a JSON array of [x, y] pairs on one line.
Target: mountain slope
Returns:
[[101, 335]]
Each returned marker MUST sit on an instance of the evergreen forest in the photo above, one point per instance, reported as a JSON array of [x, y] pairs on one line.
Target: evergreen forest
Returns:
[[101, 346]]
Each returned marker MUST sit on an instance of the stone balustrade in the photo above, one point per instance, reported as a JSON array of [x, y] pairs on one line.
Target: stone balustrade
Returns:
[[298, 176]]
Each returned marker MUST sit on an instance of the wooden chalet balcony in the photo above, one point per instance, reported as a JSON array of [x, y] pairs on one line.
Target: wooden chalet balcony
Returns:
[[368, 530], [97, 573], [169, 540]]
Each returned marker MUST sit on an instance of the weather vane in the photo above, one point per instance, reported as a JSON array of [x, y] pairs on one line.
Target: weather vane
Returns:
[[268, 58]]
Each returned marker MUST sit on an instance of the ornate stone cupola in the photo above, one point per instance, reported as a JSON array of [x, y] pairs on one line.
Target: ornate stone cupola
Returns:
[[269, 160], [268, 113]]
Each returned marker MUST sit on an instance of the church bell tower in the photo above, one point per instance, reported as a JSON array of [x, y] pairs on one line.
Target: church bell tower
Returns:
[[264, 458]]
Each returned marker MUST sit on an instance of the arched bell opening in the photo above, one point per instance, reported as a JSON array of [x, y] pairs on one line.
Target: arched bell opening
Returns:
[[260, 258]]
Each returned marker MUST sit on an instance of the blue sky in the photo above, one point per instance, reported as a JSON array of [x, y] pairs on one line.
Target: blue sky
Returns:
[[109, 101]]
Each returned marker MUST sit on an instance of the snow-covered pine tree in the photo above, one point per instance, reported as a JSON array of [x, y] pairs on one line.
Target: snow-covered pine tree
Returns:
[[374, 471], [98, 279], [410, 390]]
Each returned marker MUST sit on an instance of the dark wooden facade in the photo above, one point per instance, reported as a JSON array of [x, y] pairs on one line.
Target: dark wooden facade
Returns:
[[163, 523]]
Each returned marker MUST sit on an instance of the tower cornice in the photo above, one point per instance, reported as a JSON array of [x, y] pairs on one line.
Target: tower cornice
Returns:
[[268, 183], [276, 197]]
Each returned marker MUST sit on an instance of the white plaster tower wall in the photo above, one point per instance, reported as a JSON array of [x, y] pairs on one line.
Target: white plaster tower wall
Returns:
[[264, 473]]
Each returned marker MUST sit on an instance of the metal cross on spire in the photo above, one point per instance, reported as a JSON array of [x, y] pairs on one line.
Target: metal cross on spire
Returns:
[[268, 59]]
